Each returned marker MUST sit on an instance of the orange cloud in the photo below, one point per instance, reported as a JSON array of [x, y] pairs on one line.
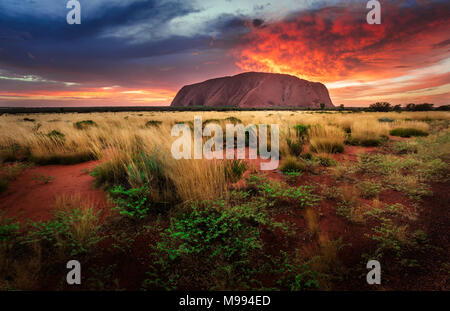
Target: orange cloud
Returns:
[[106, 95], [336, 44]]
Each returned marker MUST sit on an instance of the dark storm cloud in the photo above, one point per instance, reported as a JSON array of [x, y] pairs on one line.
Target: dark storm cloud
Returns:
[[109, 42]]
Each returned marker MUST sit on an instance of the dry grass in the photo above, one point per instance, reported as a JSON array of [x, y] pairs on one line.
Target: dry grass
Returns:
[[85, 222], [125, 141], [327, 138]]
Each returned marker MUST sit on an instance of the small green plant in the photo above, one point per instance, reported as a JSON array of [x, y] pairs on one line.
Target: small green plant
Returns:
[[56, 136], [327, 146], [326, 161], [386, 120], [396, 241], [405, 147], [407, 132], [301, 131], [234, 169], [292, 164], [134, 202], [8, 228], [82, 125], [368, 189], [365, 142], [296, 274], [276, 191], [71, 232], [295, 147]]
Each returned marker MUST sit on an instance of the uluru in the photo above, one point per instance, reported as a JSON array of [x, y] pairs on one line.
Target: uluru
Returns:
[[254, 89]]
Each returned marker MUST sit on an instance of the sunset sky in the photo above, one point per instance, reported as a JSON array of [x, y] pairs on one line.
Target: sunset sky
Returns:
[[135, 52]]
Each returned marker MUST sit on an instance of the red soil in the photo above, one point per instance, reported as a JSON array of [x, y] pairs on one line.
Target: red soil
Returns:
[[30, 198]]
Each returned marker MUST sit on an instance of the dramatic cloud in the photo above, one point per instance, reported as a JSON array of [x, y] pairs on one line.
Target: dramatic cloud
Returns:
[[140, 52], [335, 44]]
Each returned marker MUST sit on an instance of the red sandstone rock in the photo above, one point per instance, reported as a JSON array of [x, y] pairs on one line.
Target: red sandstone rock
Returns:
[[254, 89]]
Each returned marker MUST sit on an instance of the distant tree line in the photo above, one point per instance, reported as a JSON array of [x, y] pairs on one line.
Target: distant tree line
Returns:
[[385, 106], [380, 106]]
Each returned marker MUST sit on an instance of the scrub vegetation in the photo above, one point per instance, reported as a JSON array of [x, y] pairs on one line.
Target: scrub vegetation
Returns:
[[350, 187]]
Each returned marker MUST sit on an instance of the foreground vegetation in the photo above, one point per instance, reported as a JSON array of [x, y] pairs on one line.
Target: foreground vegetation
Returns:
[[217, 225]]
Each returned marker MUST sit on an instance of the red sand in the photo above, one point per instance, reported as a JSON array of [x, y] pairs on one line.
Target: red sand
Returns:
[[31, 198]]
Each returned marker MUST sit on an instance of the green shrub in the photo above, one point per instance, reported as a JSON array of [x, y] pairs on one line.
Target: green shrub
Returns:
[[407, 132], [405, 147], [301, 131], [327, 146], [153, 123], [326, 161], [81, 125], [64, 159], [369, 189], [291, 164], [71, 232], [56, 137], [277, 192], [295, 147], [367, 142], [134, 203], [386, 120], [142, 169], [307, 156], [224, 243], [234, 169], [296, 275], [8, 228]]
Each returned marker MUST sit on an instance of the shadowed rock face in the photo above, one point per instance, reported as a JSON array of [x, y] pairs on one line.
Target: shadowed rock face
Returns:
[[254, 89]]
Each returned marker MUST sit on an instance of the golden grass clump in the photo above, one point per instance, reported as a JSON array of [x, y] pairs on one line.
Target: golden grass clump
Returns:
[[326, 138]]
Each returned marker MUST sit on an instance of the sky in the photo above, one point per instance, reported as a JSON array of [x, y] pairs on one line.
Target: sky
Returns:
[[140, 53]]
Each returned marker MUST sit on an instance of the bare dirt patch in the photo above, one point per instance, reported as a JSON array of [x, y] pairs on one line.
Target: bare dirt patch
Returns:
[[32, 195]]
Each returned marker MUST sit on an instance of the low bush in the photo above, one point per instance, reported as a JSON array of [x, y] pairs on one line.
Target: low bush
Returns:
[[234, 169], [388, 120], [325, 160], [368, 189], [301, 131], [407, 132], [81, 125], [295, 147], [327, 146], [134, 203], [63, 158], [405, 147], [277, 192], [8, 227], [73, 231], [216, 247], [292, 164], [153, 123], [365, 142]]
